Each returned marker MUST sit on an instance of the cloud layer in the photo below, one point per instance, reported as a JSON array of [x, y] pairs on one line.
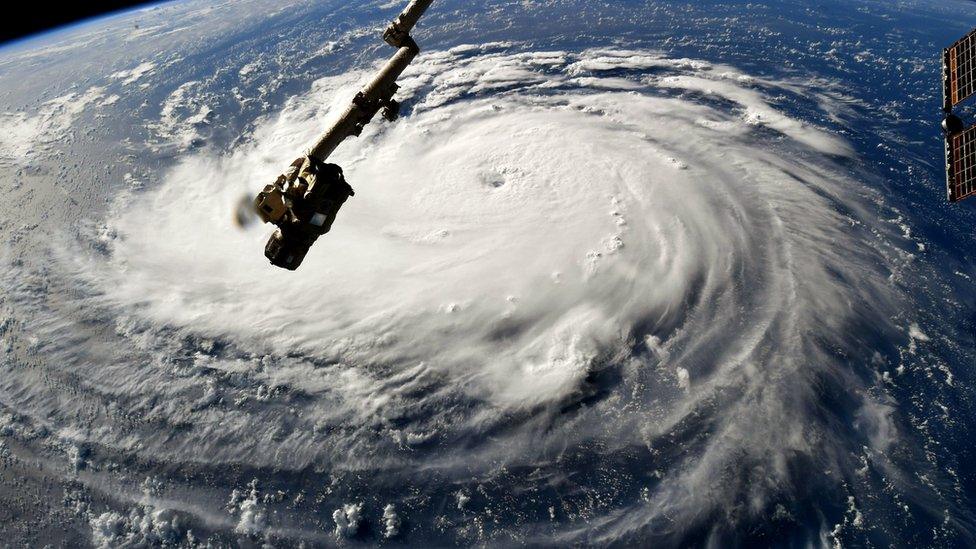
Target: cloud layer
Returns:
[[553, 255]]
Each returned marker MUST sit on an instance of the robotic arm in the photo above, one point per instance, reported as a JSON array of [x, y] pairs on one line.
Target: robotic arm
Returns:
[[304, 201]]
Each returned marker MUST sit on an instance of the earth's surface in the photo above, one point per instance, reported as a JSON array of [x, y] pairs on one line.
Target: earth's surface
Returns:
[[635, 273]]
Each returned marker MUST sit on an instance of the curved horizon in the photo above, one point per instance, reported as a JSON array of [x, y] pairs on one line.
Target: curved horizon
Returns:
[[80, 21]]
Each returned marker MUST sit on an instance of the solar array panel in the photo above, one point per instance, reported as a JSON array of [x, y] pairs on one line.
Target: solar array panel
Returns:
[[961, 164], [960, 70]]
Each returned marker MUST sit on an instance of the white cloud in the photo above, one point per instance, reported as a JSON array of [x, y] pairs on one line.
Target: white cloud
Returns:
[[513, 238], [135, 74], [347, 520], [391, 522], [24, 136]]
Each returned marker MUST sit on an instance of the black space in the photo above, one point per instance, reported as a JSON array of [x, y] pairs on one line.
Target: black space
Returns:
[[41, 18]]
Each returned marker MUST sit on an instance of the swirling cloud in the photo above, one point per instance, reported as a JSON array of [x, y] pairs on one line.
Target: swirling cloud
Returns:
[[553, 254]]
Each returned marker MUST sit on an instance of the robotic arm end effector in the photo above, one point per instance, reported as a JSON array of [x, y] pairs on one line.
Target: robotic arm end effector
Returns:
[[303, 203]]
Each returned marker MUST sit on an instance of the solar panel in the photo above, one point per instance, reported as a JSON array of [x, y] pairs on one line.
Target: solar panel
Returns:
[[959, 70], [961, 164]]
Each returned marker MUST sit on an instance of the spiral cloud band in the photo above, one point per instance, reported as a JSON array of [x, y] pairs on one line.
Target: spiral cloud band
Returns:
[[587, 271]]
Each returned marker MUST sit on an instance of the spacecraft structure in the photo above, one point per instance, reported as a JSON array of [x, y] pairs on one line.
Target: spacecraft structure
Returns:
[[958, 84], [304, 201]]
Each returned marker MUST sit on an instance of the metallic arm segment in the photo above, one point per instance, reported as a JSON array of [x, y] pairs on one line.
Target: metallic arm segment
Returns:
[[378, 94], [399, 29], [374, 96]]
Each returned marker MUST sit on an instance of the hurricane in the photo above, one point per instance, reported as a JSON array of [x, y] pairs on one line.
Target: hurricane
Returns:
[[602, 296]]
